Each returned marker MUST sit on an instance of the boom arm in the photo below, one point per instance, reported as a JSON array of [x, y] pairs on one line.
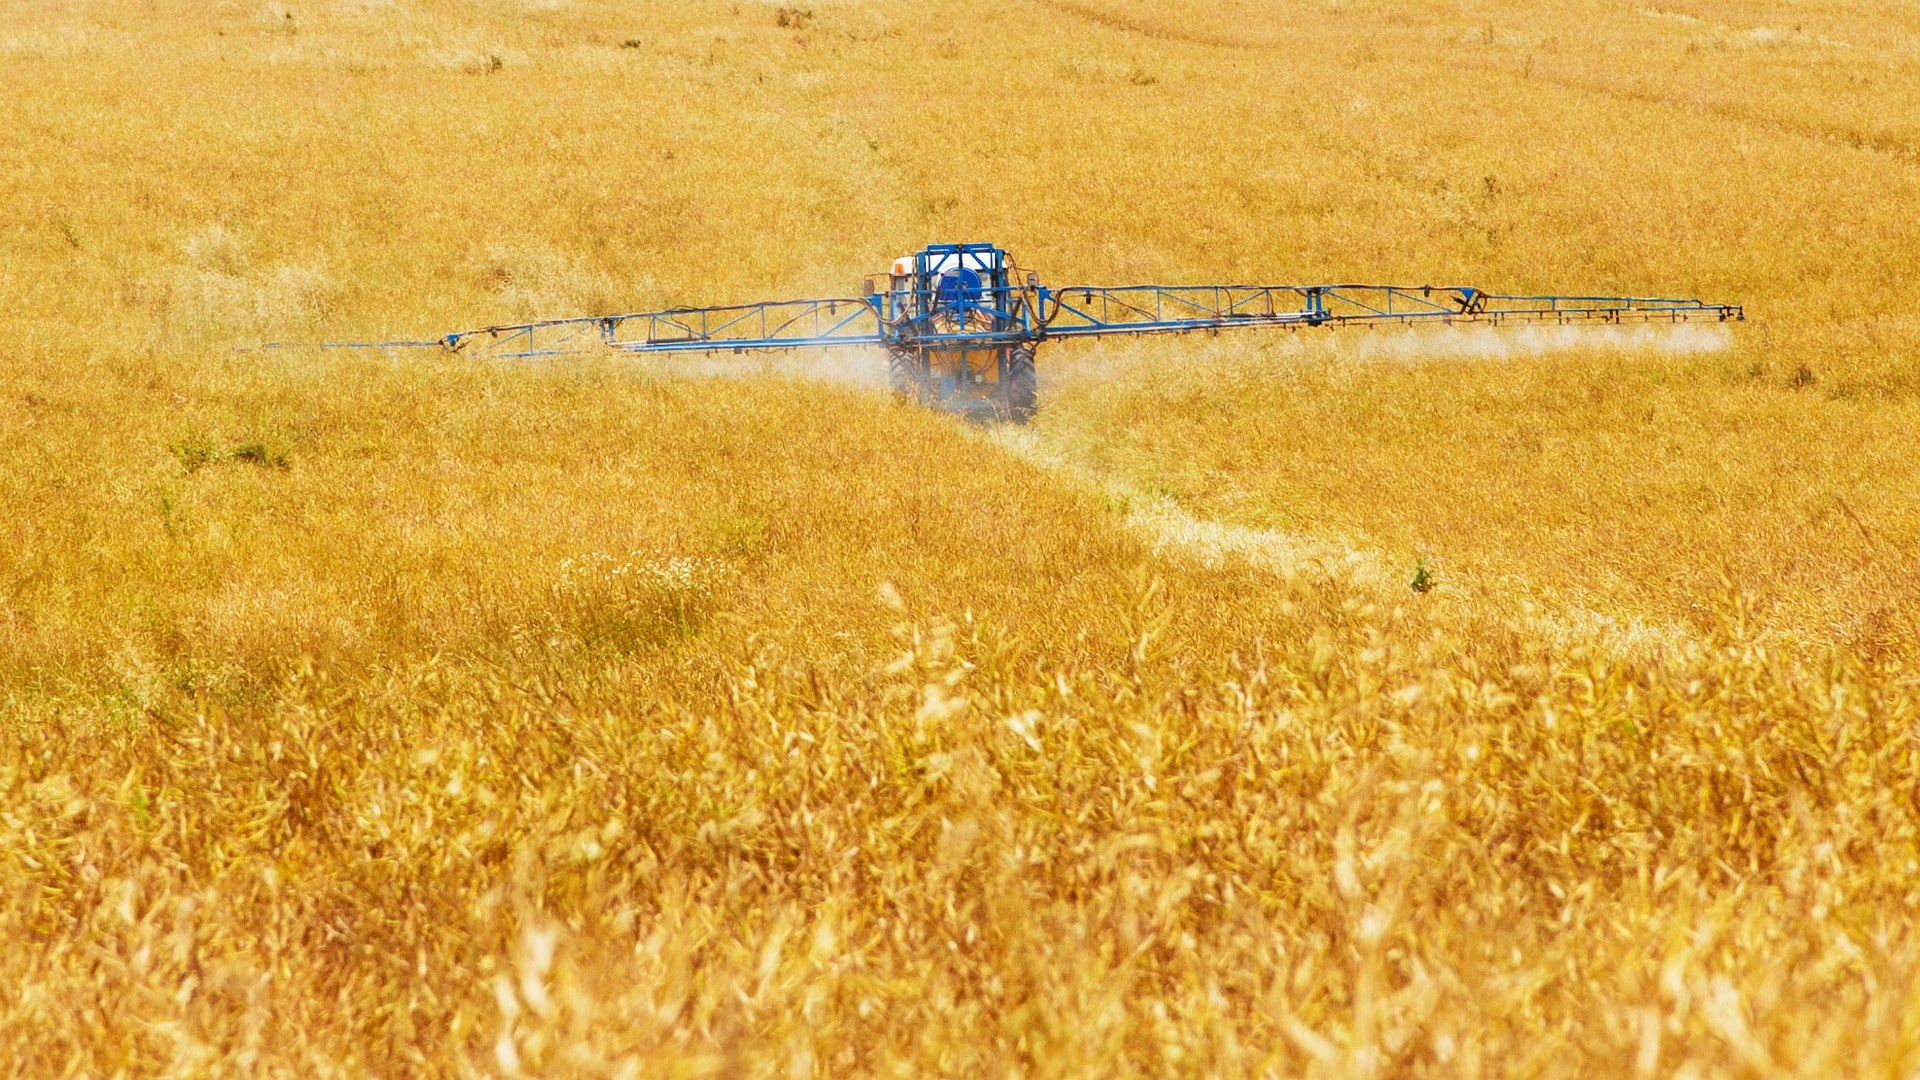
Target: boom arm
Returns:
[[1079, 311], [962, 297], [1092, 311], [780, 324]]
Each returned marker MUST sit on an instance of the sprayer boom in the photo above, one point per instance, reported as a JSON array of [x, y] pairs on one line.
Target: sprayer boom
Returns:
[[960, 322]]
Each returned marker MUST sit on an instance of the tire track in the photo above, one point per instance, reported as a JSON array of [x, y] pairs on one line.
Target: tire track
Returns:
[[1114, 21], [1173, 532], [1900, 150]]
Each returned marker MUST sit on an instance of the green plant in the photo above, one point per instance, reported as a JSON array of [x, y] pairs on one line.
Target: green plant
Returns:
[[1423, 577], [264, 455], [194, 452]]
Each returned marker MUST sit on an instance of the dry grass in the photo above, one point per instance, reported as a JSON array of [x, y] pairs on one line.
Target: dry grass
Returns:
[[1641, 481], [391, 716]]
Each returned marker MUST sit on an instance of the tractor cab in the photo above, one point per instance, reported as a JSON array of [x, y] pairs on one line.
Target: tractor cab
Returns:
[[953, 288], [962, 328]]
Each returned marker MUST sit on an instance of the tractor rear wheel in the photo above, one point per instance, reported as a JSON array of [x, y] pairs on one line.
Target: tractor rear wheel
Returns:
[[1022, 387], [903, 374]]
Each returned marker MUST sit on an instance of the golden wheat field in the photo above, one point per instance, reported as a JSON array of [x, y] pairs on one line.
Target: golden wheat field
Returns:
[[371, 714]]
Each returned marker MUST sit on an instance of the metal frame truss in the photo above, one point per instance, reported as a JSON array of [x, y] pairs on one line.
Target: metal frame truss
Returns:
[[969, 296]]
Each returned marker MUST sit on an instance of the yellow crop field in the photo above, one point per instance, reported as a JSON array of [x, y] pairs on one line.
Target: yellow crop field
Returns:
[[1531, 702]]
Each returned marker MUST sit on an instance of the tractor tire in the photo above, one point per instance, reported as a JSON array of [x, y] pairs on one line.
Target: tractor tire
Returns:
[[903, 374], [1022, 389]]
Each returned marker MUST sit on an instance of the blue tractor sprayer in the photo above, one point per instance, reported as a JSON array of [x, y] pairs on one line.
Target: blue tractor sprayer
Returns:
[[960, 323]]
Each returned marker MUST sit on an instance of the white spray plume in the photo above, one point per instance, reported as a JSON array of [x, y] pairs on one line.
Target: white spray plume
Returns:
[[1514, 342], [868, 367], [848, 367]]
